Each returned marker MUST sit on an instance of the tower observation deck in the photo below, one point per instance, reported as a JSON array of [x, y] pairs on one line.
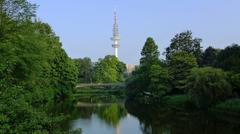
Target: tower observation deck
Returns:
[[116, 37]]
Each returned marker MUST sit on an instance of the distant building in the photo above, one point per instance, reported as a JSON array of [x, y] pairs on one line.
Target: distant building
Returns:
[[130, 68]]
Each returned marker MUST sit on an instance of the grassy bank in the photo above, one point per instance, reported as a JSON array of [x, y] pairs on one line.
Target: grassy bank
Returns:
[[183, 102], [96, 94], [228, 107]]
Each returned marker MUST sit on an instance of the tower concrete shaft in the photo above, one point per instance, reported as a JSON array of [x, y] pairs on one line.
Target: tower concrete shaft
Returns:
[[116, 36]]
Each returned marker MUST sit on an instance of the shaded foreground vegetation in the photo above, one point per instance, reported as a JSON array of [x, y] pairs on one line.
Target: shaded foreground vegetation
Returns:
[[35, 72]]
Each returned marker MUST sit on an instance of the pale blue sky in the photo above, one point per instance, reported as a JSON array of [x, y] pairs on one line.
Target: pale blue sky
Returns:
[[85, 26]]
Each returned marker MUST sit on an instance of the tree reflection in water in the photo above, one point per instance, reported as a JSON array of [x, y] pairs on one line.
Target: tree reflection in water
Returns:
[[112, 114], [157, 120]]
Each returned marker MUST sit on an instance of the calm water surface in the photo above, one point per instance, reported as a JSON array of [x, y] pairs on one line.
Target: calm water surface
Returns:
[[118, 118]]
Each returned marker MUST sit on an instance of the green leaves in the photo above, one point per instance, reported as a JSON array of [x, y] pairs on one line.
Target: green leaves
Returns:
[[180, 65], [34, 71], [184, 42], [229, 58], [150, 53], [85, 70], [208, 86], [109, 69], [151, 77], [159, 80]]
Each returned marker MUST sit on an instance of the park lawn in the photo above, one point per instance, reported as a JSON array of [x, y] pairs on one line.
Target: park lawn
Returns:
[[88, 94], [176, 100]]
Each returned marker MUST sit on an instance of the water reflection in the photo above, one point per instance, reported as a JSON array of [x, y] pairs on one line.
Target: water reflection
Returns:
[[145, 119], [112, 114], [156, 120], [104, 119]]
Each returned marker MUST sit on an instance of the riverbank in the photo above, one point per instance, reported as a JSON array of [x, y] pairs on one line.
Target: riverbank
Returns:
[[99, 94]]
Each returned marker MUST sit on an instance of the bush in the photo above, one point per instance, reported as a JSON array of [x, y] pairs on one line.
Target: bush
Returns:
[[235, 83], [232, 105], [208, 86], [176, 99]]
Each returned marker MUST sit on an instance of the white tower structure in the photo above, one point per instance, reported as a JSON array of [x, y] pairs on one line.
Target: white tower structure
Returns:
[[116, 37]]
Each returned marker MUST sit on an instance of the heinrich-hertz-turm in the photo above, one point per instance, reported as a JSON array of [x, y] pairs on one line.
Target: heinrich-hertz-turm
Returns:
[[115, 38]]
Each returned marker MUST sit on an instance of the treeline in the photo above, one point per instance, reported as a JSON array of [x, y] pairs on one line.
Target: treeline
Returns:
[[106, 70], [206, 77], [35, 71]]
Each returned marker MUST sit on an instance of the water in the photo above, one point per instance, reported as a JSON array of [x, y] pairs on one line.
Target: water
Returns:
[[117, 118]]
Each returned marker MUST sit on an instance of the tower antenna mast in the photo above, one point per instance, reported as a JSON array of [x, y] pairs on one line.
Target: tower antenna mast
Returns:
[[116, 37]]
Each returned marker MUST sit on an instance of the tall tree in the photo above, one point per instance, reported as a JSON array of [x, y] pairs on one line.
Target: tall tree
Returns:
[[185, 42], [180, 65], [109, 69], [229, 58], [150, 78], [209, 57], [159, 80], [13, 12], [85, 69], [150, 53]]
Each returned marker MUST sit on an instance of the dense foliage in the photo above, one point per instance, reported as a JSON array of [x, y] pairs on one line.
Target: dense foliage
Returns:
[[203, 78], [151, 78], [85, 70], [184, 42], [208, 86], [180, 65], [34, 71], [109, 70], [229, 58], [209, 57]]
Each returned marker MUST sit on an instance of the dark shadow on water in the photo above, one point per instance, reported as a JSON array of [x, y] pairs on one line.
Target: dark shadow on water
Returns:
[[154, 119]]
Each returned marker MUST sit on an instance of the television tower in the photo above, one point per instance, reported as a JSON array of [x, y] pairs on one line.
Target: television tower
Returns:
[[116, 37]]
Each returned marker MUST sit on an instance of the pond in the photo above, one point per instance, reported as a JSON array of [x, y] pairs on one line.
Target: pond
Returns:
[[119, 118]]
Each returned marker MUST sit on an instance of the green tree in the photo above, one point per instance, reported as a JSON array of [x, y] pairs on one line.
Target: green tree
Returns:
[[209, 57], [149, 53], [185, 42], [180, 65], [34, 69], [159, 80], [13, 12], [85, 69], [208, 86], [151, 78], [234, 79], [229, 58], [109, 69]]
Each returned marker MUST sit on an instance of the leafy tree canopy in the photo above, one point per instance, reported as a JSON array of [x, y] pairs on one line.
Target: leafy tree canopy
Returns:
[[109, 69], [208, 86], [185, 42], [209, 57], [180, 65], [229, 58]]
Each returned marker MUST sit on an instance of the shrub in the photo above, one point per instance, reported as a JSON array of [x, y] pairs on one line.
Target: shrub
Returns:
[[235, 83], [232, 105], [208, 86]]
